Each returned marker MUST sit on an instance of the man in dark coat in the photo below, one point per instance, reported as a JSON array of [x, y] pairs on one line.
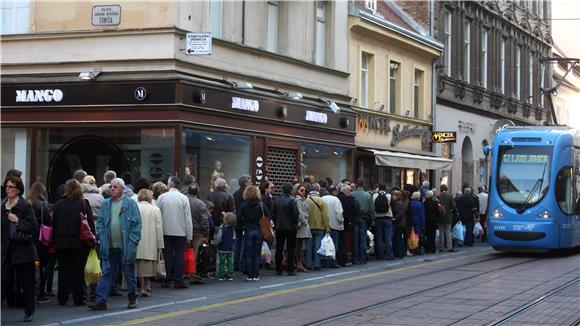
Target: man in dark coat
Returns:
[[349, 212], [467, 208], [285, 216], [244, 181]]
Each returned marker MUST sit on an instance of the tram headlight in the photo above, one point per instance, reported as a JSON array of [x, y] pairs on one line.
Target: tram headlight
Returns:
[[544, 215], [496, 213]]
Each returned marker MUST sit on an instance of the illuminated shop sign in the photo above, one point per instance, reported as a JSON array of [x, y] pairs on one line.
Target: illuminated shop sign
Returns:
[[39, 95], [317, 117], [245, 104], [444, 136]]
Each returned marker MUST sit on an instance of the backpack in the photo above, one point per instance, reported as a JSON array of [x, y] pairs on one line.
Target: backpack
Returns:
[[382, 203]]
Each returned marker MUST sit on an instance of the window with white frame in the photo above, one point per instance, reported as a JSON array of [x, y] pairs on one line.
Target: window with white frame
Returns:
[[15, 16], [272, 38], [393, 86], [320, 33], [447, 40], [371, 4], [502, 66], [364, 80], [531, 79], [216, 18], [518, 72], [417, 93], [466, 50], [484, 58]]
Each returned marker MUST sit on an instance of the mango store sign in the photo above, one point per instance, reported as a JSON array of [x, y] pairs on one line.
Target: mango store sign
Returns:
[[39, 95], [245, 104], [317, 117]]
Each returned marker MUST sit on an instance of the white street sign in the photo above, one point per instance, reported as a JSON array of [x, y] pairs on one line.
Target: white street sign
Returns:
[[198, 43]]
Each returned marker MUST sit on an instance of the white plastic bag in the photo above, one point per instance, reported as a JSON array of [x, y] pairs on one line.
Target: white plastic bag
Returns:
[[458, 232], [266, 253], [327, 247], [477, 229]]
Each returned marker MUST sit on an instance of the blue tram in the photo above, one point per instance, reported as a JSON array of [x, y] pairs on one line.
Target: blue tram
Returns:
[[534, 189]]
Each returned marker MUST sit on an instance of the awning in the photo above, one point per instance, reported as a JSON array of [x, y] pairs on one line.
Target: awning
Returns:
[[414, 161]]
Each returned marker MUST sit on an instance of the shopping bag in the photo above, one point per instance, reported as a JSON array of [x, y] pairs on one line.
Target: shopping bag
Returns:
[[326, 247], [477, 229], [413, 241], [161, 272], [92, 268], [457, 233], [189, 261], [266, 254]]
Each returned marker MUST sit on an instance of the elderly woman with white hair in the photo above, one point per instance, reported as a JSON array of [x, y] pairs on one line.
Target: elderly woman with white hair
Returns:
[[431, 221], [418, 218]]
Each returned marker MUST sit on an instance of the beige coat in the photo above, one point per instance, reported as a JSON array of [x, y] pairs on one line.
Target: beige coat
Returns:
[[151, 232]]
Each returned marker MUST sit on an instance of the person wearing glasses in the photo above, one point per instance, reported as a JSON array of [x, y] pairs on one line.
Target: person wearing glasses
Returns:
[[303, 229]]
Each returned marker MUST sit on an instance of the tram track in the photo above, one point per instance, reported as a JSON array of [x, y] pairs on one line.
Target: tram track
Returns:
[[370, 286], [520, 310]]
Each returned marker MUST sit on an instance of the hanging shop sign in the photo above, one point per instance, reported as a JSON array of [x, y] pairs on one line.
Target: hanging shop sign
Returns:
[[444, 136], [245, 104]]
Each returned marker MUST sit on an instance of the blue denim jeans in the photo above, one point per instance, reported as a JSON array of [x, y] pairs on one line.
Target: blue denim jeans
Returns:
[[253, 247], [239, 257], [173, 255], [383, 238], [108, 267], [359, 239], [312, 246]]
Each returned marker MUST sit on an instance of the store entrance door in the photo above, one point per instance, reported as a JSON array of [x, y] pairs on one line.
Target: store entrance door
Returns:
[[93, 154]]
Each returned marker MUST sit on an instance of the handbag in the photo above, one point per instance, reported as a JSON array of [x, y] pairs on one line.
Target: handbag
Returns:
[[266, 227], [87, 235], [160, 268], [413, 241], [45, 234]]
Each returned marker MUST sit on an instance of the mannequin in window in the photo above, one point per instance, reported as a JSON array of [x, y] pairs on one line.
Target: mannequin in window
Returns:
[[217, 173]]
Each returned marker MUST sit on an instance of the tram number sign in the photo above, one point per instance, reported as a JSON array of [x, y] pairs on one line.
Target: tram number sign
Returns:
[[444, 136]]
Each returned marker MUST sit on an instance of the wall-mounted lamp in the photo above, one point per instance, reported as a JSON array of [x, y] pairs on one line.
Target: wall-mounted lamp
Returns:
[[242, 85], [331, 105], [344, 122], [294, 95], [282, 112], [89, 75]]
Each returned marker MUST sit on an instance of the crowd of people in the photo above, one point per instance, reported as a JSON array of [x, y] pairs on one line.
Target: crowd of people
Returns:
[[137, 225]]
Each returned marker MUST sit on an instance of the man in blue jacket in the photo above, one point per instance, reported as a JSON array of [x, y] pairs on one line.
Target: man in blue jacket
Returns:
[[119, 232]]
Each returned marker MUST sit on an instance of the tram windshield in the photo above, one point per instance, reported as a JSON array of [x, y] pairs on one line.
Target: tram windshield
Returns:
[[523, 175]]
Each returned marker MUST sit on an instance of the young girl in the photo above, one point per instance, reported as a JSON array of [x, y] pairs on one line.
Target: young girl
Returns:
[[226, 248]]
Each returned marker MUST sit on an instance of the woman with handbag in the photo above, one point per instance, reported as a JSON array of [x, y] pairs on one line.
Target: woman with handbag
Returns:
[[42, 240], [151, 244], [249, 214], [71, 251], [18, 250]]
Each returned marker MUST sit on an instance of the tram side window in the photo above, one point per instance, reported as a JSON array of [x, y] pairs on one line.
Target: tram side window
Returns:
[[565, 190], [577, 191]]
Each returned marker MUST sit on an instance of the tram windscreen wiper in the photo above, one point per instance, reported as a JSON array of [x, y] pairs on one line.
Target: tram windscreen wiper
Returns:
[[537, 184]]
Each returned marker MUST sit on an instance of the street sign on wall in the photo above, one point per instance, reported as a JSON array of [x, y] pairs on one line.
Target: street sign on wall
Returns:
[[198, 43]]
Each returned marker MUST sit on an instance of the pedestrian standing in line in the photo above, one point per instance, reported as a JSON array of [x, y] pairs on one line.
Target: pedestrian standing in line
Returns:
[[399, 213], [200, 217], [383, 223], [349, 212], [119, 232], [239, 259], [91, 193], [188, 180], [266, 191], [151, 242], [365, 217], [37, 200], [158, 188], [249, 214], [140, 183], [336, 221], [226, 248], [446, 208], [482, 197], [107, 178], [467, 209], [78, 175], [18, 253], [303, 229], [71, 251], [177, 231], [10, 173], [431, 218], [318, 222], [418, 217], [285, 217]]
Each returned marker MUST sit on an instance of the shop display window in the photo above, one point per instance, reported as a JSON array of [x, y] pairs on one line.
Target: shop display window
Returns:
[[320, 161], [209, 155]]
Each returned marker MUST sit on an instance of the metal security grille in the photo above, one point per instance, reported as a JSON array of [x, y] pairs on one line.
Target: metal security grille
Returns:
[[281, 165]]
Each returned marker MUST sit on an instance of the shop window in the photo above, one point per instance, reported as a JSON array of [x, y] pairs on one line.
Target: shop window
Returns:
[[320, 161], [565, 190], [209, 155]]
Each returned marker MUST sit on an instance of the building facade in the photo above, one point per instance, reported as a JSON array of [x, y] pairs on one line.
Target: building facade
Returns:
[[491, 70], [114, 88], [391, 65]]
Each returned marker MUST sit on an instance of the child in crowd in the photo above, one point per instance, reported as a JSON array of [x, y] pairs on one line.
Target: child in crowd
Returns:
[[226, 248]]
